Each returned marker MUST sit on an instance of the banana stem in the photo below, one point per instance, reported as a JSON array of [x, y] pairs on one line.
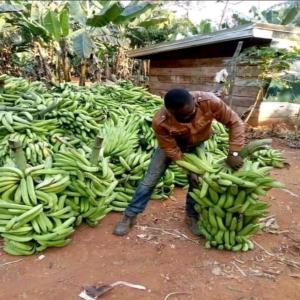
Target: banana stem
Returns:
[[19, 155], [96, 149]]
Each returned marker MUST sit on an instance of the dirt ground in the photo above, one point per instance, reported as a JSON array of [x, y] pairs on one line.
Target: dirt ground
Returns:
[[168, 259]]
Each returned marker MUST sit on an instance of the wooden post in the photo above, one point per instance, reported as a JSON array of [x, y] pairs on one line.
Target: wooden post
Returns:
[[259, 98], [83, 69], [96, 149], [19, 155], [233, 71], [107, 69]]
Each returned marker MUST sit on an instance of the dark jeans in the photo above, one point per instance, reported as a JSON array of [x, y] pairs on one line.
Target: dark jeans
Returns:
[[158, 165]]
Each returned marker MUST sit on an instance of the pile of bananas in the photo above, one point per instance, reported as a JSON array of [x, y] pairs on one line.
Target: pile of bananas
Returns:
[[16, 86], [228, 201], [60, 125]]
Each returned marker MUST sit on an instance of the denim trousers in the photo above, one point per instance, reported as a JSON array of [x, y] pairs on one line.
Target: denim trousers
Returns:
[[158, 165]]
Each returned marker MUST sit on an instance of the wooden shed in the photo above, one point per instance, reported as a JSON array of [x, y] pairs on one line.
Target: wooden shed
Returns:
[[193, 62]]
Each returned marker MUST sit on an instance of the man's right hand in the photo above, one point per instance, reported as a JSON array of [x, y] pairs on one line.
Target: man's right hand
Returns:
[[193, 179], [234, 161]]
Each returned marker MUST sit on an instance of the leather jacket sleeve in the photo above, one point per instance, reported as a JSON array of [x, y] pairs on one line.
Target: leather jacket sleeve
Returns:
[[167, 142], [224, 114]]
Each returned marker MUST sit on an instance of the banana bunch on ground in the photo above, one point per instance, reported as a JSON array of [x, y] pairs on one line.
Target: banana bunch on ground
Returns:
[[269, 157], [13, 88], [78, 123], [38, 101], [36, 147], [147, 137], [13, 122], [218, 144], [91, 188], [128, 171], [34, 214], [165, 187], [119, 139], [180, 177], [228, 201], [14, 85]]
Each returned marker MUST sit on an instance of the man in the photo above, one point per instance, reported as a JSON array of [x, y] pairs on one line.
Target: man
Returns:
[[181, 125]]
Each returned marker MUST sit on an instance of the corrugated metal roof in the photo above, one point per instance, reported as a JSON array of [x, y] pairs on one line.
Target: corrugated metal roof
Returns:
[[258, 30]]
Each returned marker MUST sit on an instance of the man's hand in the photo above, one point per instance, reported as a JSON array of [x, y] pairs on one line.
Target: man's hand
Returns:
[[234, 160], [193, 179]]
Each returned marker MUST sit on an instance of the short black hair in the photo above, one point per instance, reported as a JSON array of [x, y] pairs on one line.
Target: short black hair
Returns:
[[177, 98]]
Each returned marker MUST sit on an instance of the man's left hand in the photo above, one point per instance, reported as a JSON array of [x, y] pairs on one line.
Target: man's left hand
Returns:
[[234, 161]]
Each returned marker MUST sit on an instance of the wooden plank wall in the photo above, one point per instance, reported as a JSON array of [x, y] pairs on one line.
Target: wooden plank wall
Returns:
[[198, 74]]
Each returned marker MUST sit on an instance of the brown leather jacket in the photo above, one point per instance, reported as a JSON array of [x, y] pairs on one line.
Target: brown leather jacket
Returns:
[[174, 137]]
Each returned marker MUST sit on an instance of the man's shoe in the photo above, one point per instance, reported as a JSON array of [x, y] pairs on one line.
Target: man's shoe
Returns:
[[123, 227], [192, 223]]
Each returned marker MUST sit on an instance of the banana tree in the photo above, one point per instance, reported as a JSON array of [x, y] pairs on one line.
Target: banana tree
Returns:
[[100, 24], [57, 24], [74, 26]]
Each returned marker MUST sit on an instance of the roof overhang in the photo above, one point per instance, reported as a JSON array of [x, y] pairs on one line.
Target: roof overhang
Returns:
[[257, 30]]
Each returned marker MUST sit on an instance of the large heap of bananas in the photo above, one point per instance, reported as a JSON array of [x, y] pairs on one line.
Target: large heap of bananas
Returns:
[[66, 180]]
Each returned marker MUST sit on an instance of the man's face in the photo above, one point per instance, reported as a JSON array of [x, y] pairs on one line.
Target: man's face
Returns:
[[184, 114]]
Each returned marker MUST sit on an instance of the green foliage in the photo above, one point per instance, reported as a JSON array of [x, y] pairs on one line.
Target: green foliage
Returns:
[[159, 25], [77, 12], [82, 44], [272, 61], [275, 65], [115, 13], [52, 24], [287, 13]]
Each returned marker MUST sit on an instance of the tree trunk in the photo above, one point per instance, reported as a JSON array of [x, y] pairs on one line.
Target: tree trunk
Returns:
[[65, 60], [44, 63], [58, 69], [107, 69], [83, 68]]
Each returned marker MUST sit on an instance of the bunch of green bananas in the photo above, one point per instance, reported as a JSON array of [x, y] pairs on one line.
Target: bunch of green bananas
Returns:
[[228, 201], [77, 123], [128, 171], [13, 84], [269, 157], [34, 214], [13, 122], [180, 178], [119, 139], [91, 188], [35, 146], [147, 137], [218, 144], [165, 187]]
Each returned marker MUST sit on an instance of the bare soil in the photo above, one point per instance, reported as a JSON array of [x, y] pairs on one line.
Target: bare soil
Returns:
[[168, 259]]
